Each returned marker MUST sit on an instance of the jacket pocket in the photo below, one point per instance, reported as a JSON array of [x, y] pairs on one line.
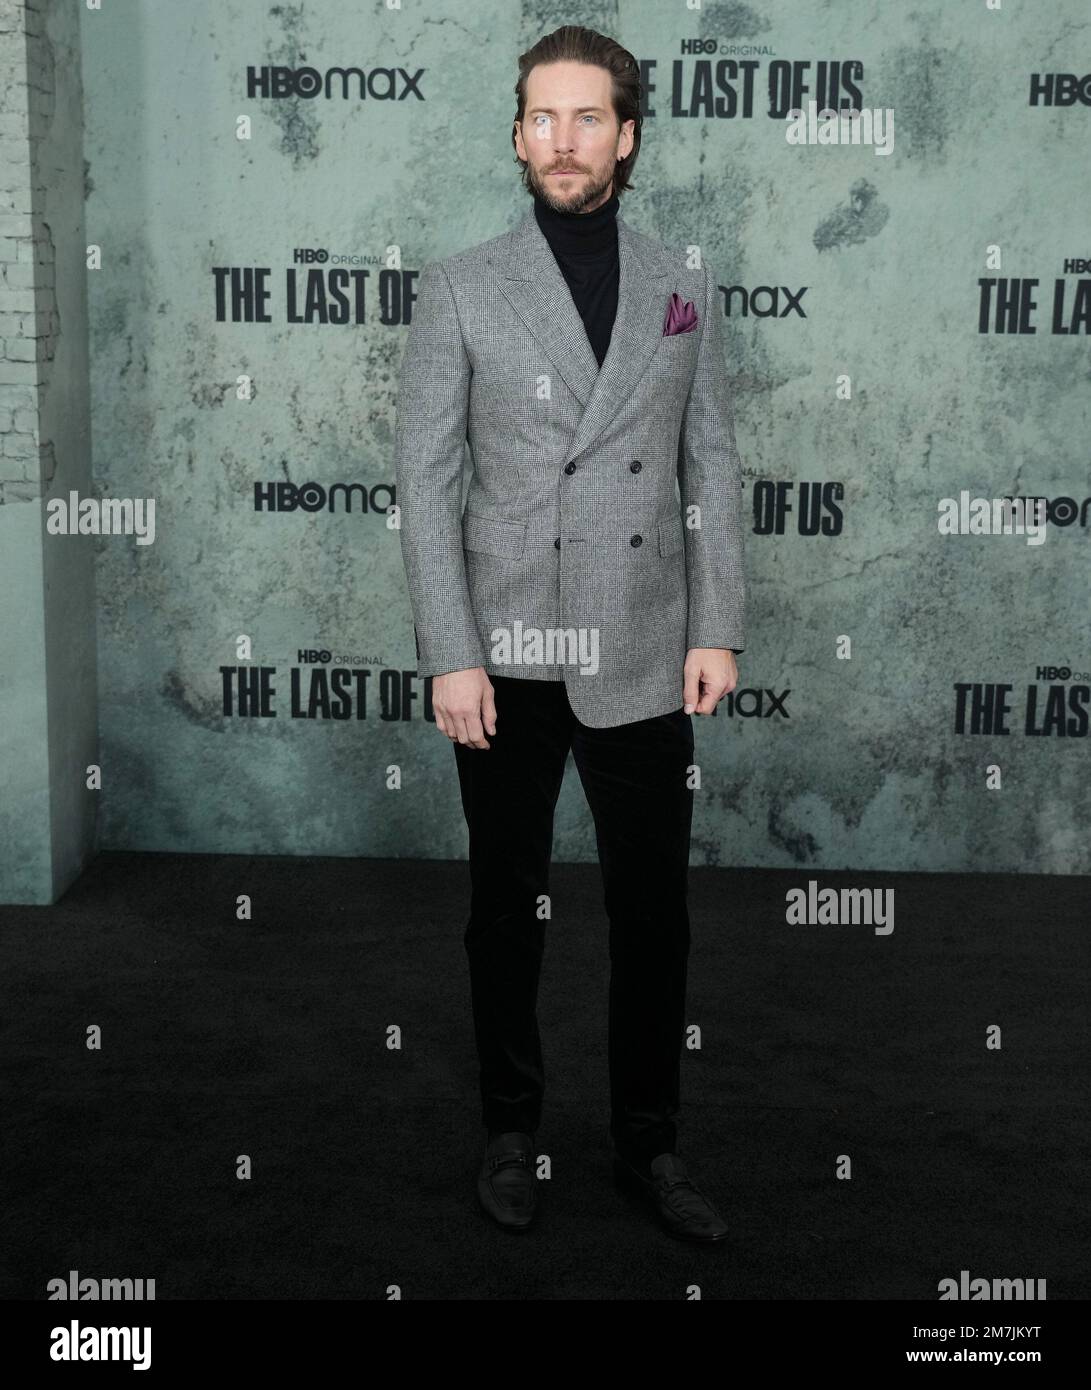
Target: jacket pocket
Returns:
[[494, 535], [671, 535], [676, 346]]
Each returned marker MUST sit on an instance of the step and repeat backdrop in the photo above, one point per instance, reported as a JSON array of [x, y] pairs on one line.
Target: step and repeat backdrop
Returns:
[[896, 202]]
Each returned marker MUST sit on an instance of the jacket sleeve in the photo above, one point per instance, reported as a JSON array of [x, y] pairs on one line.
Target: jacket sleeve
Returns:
[[429, 447], [710, 478]]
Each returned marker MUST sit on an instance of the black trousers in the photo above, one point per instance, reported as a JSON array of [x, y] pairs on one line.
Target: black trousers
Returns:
[[635, 779]]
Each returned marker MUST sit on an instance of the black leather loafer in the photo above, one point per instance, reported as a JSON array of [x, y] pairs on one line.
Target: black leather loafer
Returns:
[[682, 1208], [506, 1184]]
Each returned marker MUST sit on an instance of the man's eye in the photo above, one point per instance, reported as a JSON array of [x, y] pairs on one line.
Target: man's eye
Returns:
[[541, 120]]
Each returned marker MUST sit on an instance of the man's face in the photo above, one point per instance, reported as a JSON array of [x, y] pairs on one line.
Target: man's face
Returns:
[[569, 123]]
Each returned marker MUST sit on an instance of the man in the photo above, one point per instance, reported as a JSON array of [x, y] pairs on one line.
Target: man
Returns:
[[588, 599]]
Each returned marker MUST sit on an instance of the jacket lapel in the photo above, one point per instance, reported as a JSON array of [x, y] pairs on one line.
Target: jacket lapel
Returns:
[[528, 274]]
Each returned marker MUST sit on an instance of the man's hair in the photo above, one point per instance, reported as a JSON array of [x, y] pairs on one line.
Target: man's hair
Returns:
[[573, 43]]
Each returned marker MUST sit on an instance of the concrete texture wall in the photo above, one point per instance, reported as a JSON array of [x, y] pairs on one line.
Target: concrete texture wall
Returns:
[[207, 183], [48, 730]]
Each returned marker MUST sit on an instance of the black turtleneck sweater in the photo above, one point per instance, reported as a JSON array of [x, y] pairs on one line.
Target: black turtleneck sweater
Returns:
[[585, 247]]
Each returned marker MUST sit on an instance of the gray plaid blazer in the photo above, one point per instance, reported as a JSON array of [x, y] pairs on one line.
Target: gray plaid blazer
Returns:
[[601, 536]]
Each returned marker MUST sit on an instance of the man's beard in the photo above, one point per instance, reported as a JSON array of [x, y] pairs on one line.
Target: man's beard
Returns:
[[593, 189]]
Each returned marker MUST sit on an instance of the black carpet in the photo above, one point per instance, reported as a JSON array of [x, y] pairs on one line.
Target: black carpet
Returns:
[[268, 1038]]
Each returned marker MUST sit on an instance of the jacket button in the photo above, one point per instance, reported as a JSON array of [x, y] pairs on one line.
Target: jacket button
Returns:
[[635, 466], [557, 543], [637, 540], [570, 468]]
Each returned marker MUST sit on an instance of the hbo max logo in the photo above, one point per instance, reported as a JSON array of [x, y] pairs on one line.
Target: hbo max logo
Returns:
[[380, 84], [1059, 89]]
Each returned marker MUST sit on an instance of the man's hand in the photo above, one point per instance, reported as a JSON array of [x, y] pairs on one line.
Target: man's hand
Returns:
[[709, 673], [463, 701]]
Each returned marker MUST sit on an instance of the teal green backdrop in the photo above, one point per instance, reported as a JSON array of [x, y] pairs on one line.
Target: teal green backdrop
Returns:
[[259, 244]]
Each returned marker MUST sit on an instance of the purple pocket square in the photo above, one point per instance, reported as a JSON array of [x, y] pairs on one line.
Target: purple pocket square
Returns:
[[681, 316]]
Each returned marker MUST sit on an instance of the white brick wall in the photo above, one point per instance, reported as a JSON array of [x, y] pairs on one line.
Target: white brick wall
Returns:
[[26, 310]]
